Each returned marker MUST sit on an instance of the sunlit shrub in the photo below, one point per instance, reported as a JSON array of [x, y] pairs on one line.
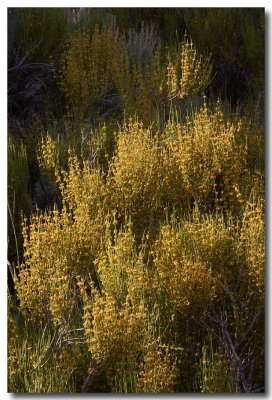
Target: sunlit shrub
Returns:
[[115, 336], [184, 283], [157, 82], [120, 268], [114, 313], [61, 245], [158, 372], [49, 157], [44, 284], [187, 73], [137, 170], [84, 190], [158, 236], [210, 156], [253, 246], [213, 240]]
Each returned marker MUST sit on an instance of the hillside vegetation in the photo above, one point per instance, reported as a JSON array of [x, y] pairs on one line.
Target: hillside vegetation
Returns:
[[136, 200]]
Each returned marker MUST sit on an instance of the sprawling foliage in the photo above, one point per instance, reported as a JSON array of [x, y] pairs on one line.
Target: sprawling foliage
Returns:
[[145, 274]]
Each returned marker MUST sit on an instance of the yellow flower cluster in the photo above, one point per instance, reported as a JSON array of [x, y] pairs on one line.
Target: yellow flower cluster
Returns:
[[44, 285], [212, 240], [115, 336], [48, 157], [91, 65], [120, 269], [253, 246], [61, 245], [187, 285], [137, 169], [188, 73], [148, 172], [209, 155], [84, 190], [158, 372], [138, 273]]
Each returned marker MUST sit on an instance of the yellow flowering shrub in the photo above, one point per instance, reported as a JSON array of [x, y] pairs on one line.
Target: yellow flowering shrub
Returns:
[[187, 73], [174, 192], [137, 170], [156, 239], [182, 282], [60, 245], [53, 254], [213, 240], [209, 156], [252, 245], [143, 87], [114, 314], [158, 372], [84, 189], [48, 157], [120, 269], [115, 336], [92, 65]]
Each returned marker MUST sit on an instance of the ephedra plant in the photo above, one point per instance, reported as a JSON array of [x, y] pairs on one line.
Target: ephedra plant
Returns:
[[148, 258]]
